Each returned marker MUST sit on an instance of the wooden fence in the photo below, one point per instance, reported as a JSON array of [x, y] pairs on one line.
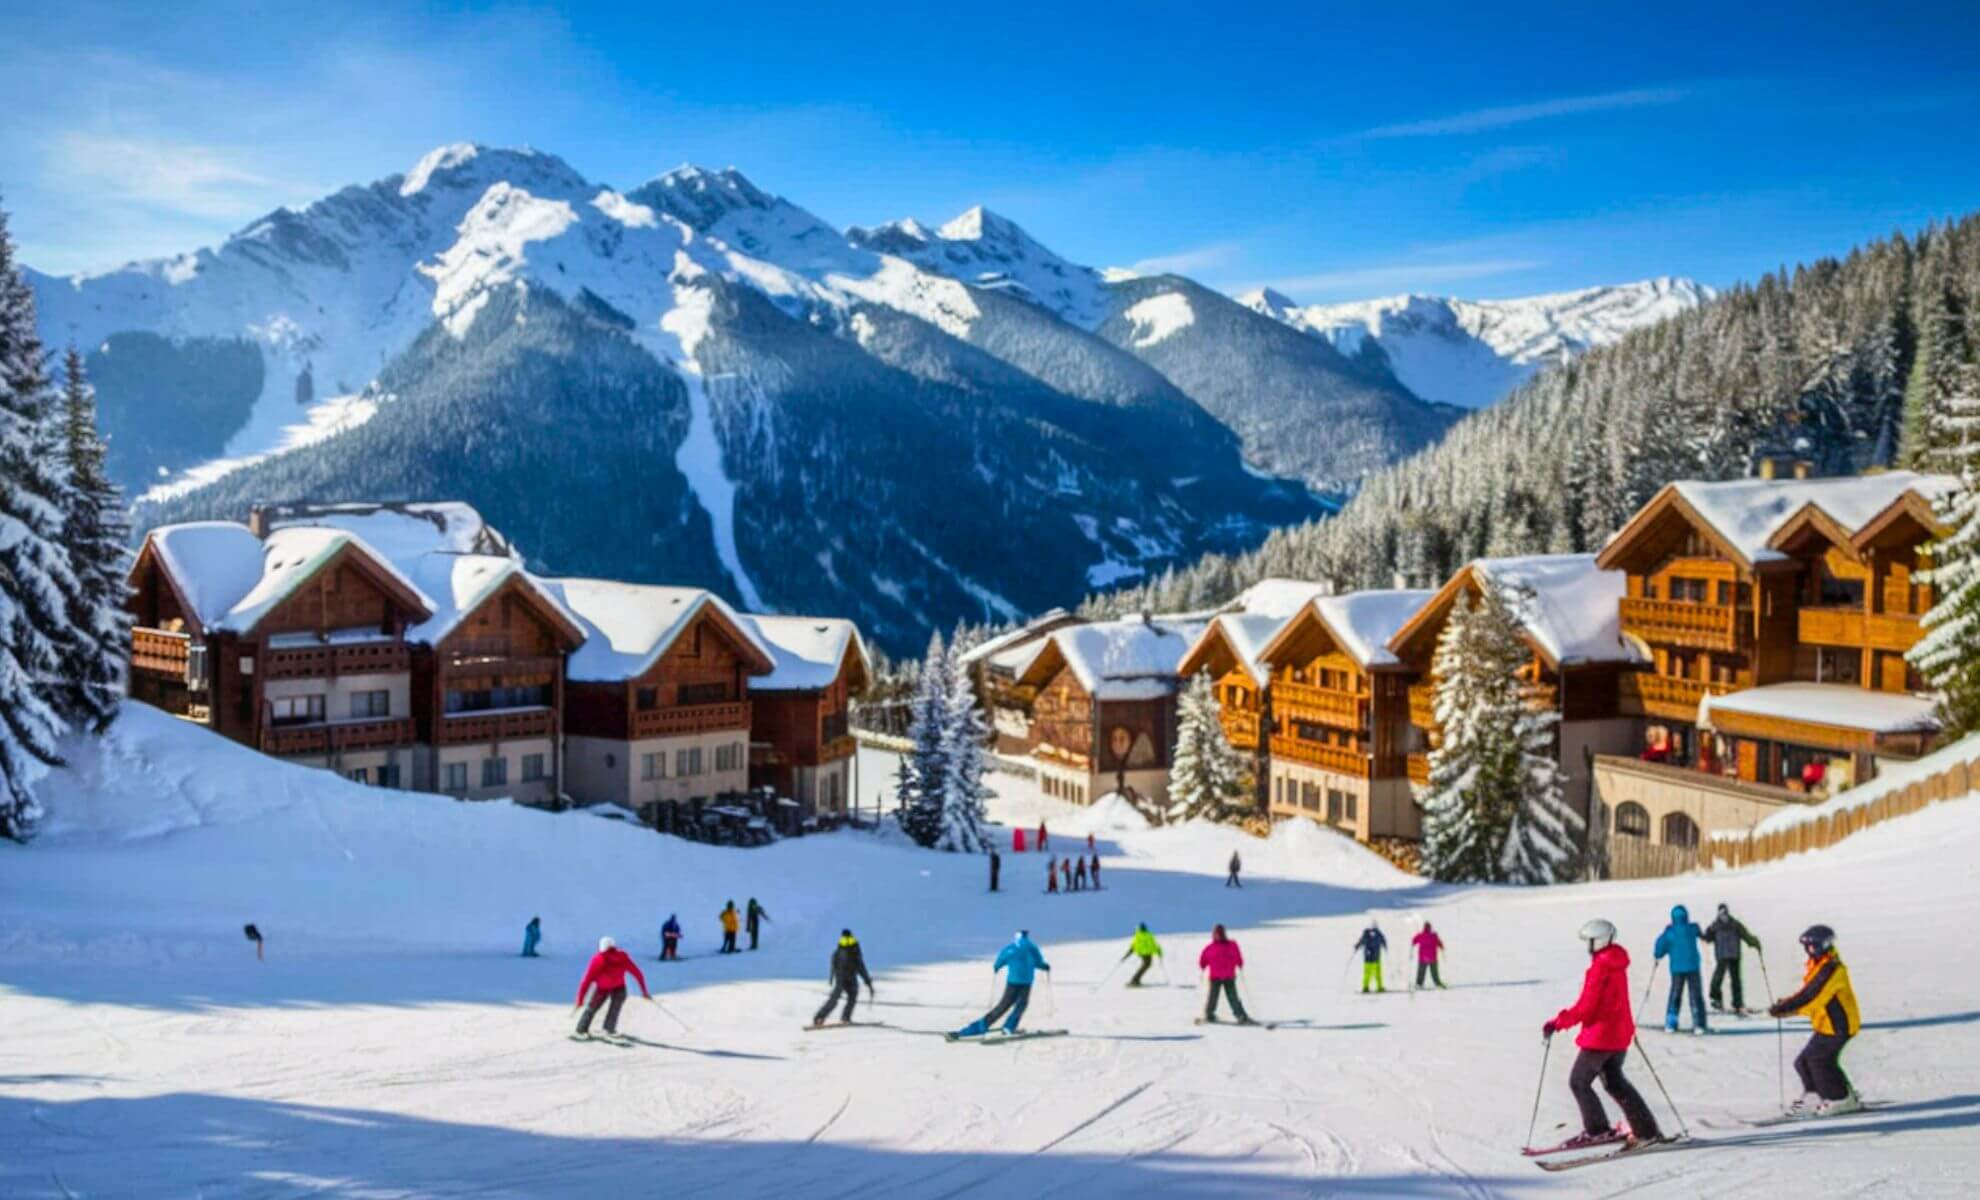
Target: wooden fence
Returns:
[[1640, 858], [1740, 849]]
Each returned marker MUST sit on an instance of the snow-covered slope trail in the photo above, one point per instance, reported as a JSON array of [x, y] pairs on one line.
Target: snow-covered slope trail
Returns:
[[394, 1045]]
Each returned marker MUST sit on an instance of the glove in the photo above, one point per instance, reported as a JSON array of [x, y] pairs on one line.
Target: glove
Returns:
[[1548, 1030]]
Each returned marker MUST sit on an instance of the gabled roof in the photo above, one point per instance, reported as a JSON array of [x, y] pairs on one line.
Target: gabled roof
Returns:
[[1036, 628], [628, 626], [1134, 658], [809, 652], [1360, 623], [1909, 517], [1240, 636], [1570, 611], [462, 583], [230, 580], [1277, 597]]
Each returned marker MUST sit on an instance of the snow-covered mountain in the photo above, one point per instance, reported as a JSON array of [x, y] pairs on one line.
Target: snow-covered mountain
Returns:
[[1471, 353]]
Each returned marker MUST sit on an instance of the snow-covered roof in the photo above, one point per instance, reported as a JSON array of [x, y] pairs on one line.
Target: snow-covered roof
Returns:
[[402, 531], [233, 579], [1363, 622], [1277, 597], [1747, 513], [459, 583], [1571, 607], [1247, 634], [628, 626], [1034, 628], [1129, 659], [1839, 704], [807, 651]]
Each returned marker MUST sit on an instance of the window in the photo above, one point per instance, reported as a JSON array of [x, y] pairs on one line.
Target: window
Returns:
[[360, 775], [647, 699], [1336, 804], [1309, 797], [494, 771], [1351, 807], [1680, 830], [1690, 590], [687, 762], [1837, 665], [653, 766], [533, 696], [1632, 820], [456, 777], [388, 775], [729, 757], [704, 693], [1838, 593], [533, 768], [297, 710], [371, 704]]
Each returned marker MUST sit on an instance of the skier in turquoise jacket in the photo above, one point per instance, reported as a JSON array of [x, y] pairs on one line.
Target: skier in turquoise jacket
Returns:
[[1680, 941], [1020, 962]]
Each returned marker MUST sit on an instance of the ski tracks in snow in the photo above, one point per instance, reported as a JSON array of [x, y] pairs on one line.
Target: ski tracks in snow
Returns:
[[1096, 1117]]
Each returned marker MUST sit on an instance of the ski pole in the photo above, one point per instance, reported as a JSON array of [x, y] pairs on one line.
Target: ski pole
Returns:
[[1164, 964], [1051, 997], [1539, 1089], [1660, 1084], [1780, 1035], [1110, 973], [1648, 987], [670, 1014]]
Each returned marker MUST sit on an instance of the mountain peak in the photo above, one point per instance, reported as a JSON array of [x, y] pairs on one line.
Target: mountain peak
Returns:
[[979, 224], [700, 197], [471, 164]]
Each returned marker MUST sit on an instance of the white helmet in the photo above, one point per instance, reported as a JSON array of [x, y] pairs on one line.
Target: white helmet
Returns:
[[1599, 934], [605, 944]]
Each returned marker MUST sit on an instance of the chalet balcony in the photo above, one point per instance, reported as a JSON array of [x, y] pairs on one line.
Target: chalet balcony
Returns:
[[1241, 728], [1854, 628], [683, 719], [1645, 694], [383, 657], [1418, 768], [1065, 756], [156, 652], [463, 669], [1326, 706], [495, 725], [329, 737], [1423, 705], [1682, 623], [1337, 759]]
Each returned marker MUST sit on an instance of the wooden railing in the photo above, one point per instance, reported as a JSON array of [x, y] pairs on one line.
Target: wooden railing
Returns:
[[1682, 623], [1241, 728], [1647, 694], [1063, 755], [323, 662], [335, 736], [1897, 632], [159, 652], [690, 718], [465, 727], [1423, 705], [1419, 769], [1304, 701], [1331, 758], [499, 670], [1957, 780]]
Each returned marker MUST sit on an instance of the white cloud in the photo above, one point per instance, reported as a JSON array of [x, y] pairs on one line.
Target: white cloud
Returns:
[[1190, 261], [1480, 119], [178, 178]]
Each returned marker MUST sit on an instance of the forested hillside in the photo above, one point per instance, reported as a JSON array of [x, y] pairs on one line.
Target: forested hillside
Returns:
[[1842, 361]]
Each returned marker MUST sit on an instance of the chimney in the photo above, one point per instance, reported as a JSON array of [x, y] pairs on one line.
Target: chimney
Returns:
[[1802, 467], [1766, 466], [258, 521]]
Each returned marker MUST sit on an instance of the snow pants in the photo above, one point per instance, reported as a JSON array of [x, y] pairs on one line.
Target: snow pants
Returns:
[[728, 941], [1228, 988], [1430, 969], [1820, 1066], [1680, 982], [670, 948], [1231, 880], [529, 944], [1371, 973], [752, 937], [1608, 1065], [1016, 998], [1147, 961], [1724, 968], [612, 1001], [848, 989]]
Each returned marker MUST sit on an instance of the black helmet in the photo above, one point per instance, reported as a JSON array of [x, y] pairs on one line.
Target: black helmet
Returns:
[[1818, 939]]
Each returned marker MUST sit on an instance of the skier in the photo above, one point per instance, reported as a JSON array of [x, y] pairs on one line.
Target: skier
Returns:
[[1231, 880], [848, 968], [1052, 875], [1144, 946], [996, 865], [729, 923], [1371, 944], [1727, 933], [1607, 1030], [1089, 843], [1017, 840], [253, 935], [1020, 961], [1065, 874], [670, 939], [1829, 1003], [1680, 940], [605, 978], [1041, 834], [532, 934], [1428, 947], [1096, 872], [1079, 874], [1221, 960], [756, 914]]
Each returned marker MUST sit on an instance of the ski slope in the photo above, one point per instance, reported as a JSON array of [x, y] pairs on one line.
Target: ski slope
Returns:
[[394, 1045]]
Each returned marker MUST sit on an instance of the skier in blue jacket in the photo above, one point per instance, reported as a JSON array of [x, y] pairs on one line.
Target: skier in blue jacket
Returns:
[[1020, 961], [1680, 940]]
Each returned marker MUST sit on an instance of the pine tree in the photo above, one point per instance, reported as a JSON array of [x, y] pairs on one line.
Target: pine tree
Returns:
[[1948, 656], [36, 633], [924, 776], [1207, 777], [963, 792], [93, 533]]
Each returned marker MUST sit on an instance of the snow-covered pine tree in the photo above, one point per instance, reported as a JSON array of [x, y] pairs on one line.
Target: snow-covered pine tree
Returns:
[[924, 775], [93, 532], [1948, 656], [1207, 777], [963, 792], [36, 633]]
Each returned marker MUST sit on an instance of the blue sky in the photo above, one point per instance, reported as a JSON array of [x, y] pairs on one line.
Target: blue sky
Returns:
[[1333, 152]]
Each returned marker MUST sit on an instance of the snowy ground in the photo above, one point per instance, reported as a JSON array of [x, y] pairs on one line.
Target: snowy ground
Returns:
[[393, 1045]]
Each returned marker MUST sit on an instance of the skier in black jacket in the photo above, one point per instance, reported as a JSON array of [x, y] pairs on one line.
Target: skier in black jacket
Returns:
[[1726, 933], [752, 921], [848, 968]]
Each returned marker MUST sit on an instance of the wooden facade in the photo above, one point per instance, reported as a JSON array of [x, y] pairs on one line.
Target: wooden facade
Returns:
[[1243, 699], [801, 740], [1088, 745], [699, 684]]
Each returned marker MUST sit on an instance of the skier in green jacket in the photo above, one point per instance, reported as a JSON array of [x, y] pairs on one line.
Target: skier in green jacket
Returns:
[[1145, 947]]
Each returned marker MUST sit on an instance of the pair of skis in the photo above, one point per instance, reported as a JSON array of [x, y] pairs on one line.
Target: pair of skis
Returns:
[[1238, 1024], [998, 1039], [1608, 1149]]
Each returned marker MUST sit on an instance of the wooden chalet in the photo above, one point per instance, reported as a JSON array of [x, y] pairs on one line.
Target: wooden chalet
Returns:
[[1104, 713], [656, 707], [996, 667], [801, 740], [1229, 650], [1339, 699], [293, 642], [1568, 610]]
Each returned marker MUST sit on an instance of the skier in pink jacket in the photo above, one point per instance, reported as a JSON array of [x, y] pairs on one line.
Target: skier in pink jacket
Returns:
[[1221, 960], [1429, 947]]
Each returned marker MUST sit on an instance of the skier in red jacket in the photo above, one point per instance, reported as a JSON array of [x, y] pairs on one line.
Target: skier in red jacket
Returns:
[[1607, 1031], [605, 979]]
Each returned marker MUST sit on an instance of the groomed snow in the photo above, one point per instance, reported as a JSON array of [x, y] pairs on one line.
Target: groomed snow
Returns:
[[1844, 705], [394, 1045]]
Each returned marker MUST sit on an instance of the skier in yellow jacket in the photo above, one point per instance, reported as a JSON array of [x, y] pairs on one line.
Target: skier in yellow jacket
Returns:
[[1146, 948], [730, 921], [1829, 1003]]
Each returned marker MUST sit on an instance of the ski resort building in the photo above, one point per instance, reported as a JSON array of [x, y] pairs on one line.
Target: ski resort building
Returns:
[[995, 667], [1568, 609], [1774, 616], [1104, 713], [801, 740], [1339, 698], [656, 705]]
